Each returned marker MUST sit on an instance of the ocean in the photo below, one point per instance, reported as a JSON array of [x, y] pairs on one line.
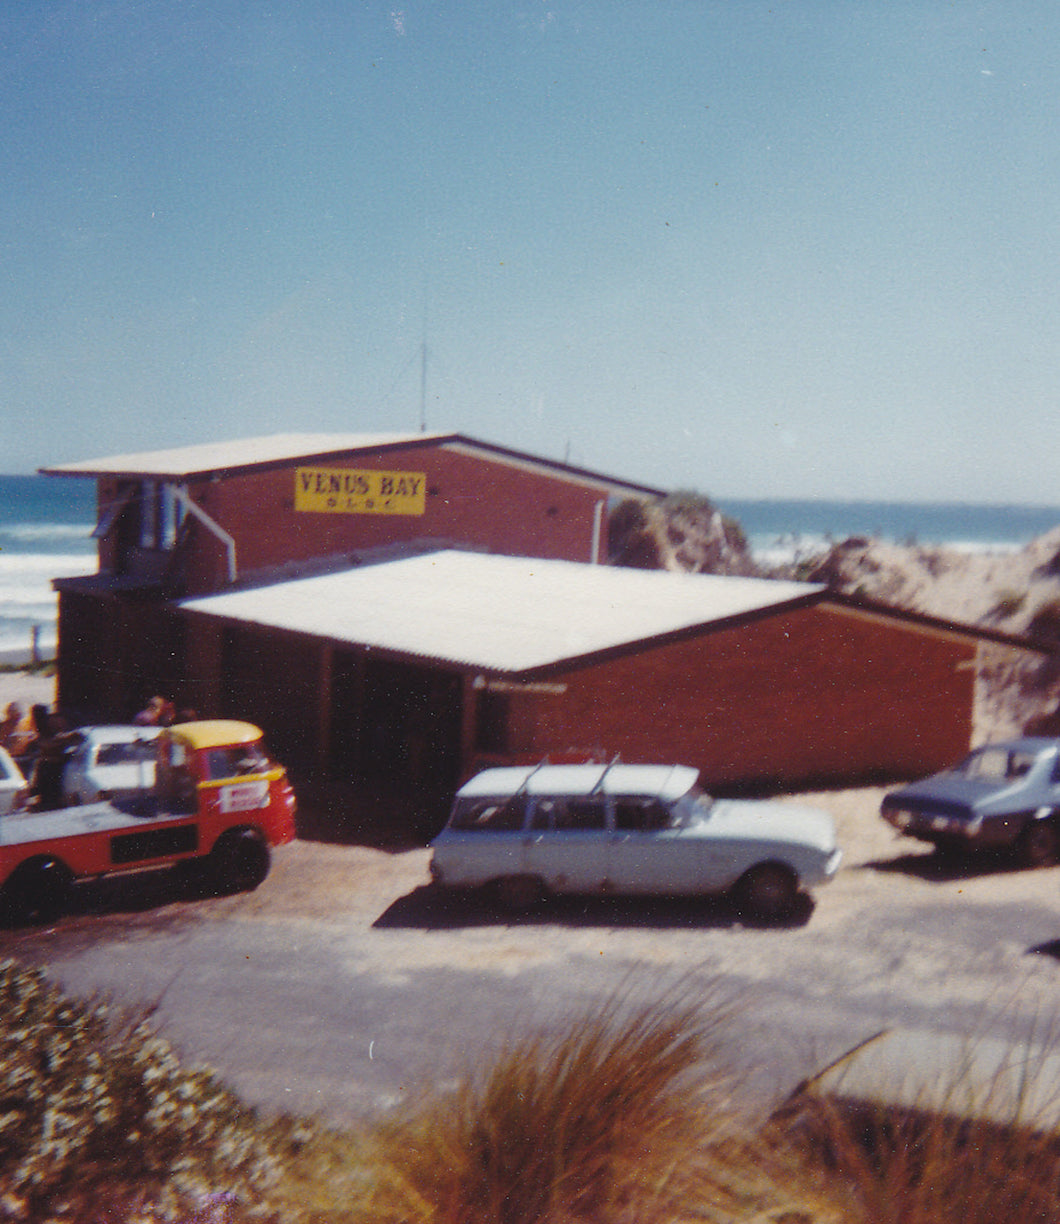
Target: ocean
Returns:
[[46, 532]]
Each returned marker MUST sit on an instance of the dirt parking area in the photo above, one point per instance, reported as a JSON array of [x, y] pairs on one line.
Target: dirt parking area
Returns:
[[345, 980]]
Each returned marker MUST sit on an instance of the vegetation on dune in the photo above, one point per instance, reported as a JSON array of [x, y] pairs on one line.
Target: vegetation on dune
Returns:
[[623, 1116], [683, 531], [1045, 623]]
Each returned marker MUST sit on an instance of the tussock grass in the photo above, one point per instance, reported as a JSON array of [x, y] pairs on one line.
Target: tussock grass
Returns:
[[620, 1116], [969, 1148]]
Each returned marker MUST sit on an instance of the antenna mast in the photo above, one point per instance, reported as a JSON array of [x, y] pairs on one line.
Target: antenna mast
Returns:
[[423, 382], [423, 359]]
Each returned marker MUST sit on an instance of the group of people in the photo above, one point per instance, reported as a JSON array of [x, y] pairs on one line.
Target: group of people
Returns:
[[40, 740], [16, 730], [161, 712], [45, 736]]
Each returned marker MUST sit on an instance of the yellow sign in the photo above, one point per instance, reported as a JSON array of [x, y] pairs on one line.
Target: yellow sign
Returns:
[[355, 491]]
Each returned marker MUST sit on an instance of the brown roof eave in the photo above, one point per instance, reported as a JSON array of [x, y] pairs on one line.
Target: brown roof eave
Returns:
[[859, 604], [850, 604], [635, 646]]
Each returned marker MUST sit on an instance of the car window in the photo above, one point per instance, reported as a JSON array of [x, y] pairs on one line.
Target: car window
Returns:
[[990, 763], [565, 815], [238, 759], [642, 815], [125, 754], [1020, 764], [498, 815]]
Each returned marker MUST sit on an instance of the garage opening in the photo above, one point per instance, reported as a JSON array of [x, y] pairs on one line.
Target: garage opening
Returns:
[[395, 739]]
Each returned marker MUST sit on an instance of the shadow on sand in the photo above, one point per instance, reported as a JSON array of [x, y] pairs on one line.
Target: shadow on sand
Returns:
[[432, 908], [941, 866]]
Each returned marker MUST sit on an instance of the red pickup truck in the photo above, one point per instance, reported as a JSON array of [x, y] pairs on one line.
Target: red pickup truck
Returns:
[[218, 800]]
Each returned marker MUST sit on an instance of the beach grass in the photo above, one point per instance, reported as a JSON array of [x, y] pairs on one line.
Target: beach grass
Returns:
[[873, 1162]]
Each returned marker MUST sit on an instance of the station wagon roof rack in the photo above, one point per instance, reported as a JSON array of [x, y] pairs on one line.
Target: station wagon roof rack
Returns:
[[604, 772], [530, 773]]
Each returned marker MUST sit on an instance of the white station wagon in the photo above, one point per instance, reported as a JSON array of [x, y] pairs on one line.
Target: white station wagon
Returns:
[[628, 829]]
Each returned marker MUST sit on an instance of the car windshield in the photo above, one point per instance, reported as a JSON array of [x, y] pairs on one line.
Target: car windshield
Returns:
[[230, 762], [494, 815], [995, 764]]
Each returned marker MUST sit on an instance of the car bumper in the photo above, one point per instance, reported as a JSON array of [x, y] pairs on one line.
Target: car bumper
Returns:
[[950, 828]]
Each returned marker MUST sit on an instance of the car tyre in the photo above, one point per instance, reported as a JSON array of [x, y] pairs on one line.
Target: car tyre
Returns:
[[768, 891], [239, 861], [519, 893], [38, 892], [1038, 843]]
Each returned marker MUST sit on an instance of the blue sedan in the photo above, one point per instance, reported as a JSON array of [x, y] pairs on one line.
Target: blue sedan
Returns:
[[1003, 795]]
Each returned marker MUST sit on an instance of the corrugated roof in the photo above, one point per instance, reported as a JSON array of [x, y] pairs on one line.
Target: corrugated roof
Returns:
[[497, 613], [205, 457], [240, 454]]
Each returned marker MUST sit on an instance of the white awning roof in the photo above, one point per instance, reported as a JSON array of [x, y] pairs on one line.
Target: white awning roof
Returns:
[[497, 613]]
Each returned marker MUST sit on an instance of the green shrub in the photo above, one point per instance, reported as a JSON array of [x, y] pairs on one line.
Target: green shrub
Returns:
[[99, 1121]]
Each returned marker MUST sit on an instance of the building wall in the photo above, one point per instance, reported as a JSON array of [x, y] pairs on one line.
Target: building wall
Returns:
[[809, 696], [812, 695], [468, 499], [115, 652]]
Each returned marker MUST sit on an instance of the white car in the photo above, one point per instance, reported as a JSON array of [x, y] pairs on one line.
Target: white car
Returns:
[[14, 790], [110, 762], [628, 829]]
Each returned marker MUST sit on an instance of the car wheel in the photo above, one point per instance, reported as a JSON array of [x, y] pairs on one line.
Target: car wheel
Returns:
[[518, 893], [239, 861], [1038, 843], [38, 891], [768, 891]]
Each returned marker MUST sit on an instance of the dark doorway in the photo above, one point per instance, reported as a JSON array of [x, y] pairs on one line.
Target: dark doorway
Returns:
[[395, 734]]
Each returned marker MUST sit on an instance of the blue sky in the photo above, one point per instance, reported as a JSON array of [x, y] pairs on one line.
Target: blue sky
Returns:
[[756, 249]]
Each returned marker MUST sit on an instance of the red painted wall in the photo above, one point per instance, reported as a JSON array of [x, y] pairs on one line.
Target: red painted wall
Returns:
[[809, 695], [470, 501]]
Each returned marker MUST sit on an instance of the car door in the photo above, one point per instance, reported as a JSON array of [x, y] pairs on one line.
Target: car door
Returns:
[[567, 844], [649, 854]]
